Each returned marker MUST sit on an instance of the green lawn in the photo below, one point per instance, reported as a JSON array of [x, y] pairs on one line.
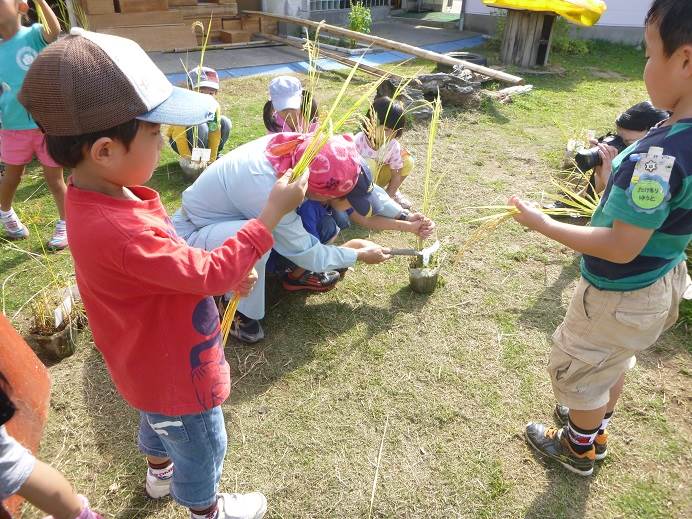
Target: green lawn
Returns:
[[455, 376]]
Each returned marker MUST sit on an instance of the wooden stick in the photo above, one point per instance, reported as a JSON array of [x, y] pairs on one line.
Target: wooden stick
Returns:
[[220, 46], [377, 468], [394, 45], [331, 55]]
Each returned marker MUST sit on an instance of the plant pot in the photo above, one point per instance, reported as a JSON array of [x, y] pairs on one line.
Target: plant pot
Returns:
[[423, 280], [60, 345]]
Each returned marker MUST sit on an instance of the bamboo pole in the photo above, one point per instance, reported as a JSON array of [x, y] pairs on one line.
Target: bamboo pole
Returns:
[[397, 46], [332, 55]]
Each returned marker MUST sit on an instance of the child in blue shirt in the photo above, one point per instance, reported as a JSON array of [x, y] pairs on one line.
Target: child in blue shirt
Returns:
[[633, 266], [20, 137]]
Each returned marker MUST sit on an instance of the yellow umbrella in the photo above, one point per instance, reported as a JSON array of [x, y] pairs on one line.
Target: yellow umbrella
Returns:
[[582, 12]]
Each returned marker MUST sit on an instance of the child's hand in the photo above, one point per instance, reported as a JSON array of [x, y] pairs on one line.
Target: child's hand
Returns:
[[528, 215], [423, 226], [602, 172], [283, 198], [248, 284]]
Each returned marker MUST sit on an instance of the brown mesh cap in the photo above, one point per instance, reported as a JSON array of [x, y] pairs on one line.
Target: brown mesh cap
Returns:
[[89, 82]]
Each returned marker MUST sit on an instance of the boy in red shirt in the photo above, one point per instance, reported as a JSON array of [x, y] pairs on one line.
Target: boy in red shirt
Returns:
[[101, 101]]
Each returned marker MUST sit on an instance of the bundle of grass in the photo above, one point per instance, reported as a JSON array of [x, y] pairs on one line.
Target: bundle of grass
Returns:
[[424, 275], [199, 159]]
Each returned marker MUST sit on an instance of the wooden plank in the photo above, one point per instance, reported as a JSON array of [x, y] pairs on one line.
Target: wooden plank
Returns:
[[331, 55], [98, 6], [179, 3], [156, 37], [99, 21], [140, 6], [401, 47], [234, 36], [232, 24]]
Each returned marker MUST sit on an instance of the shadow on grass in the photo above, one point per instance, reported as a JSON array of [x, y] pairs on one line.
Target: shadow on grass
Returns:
[[294, 325], [565, 494], [547, 310]]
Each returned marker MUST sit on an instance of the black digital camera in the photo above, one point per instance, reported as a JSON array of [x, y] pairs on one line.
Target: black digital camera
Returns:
[[587, 159]]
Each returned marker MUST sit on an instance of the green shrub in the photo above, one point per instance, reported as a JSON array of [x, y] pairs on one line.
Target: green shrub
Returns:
[[360, 19], [563, 43]]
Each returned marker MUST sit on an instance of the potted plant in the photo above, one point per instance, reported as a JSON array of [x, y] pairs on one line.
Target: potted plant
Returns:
[[56, 318]]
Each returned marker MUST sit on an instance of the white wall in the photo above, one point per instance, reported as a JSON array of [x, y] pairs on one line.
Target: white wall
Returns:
[[620, 13]]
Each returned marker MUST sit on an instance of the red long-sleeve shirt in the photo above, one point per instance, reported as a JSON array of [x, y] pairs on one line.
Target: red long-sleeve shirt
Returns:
[[146, 294]]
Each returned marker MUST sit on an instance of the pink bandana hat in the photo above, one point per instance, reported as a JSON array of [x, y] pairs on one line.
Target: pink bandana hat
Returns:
[[333, 172]]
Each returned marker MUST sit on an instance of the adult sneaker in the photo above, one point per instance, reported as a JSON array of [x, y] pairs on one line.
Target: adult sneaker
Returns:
[[312, 281], [553, 443], [159, 485], [242, 506], [14, 228], [601, 441], [246, 330]]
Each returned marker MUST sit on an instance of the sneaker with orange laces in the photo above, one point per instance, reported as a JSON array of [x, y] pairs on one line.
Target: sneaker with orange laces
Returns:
[[553, 443], [601, 441]]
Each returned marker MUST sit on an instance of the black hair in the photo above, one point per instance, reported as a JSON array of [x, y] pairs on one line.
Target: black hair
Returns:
[[390, 114], [268, 113], [674, 19], [7, 408], [641, 117], [68, 151]]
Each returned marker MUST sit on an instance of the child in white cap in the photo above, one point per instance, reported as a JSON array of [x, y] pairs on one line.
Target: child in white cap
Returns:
[[211, 135], [284, 112]]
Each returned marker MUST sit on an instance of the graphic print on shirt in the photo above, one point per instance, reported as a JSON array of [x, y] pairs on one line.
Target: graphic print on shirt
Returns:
[[25, 57], [210, 371]]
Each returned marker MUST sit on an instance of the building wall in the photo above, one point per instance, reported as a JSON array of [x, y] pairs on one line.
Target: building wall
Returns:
[[623, 21]]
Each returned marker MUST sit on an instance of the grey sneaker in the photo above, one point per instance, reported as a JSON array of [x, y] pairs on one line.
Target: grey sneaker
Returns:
[[552, 442], [246, 330]]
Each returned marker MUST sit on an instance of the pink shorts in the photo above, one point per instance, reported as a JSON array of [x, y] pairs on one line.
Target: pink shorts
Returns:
[[18, 147]]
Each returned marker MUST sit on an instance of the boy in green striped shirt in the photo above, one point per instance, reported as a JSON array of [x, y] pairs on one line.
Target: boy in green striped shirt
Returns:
[[633, 267]]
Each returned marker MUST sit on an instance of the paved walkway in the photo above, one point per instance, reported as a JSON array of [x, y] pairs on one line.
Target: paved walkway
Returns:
[[282, 59]]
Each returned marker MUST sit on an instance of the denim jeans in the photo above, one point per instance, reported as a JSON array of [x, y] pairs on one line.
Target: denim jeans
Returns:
[[197, 446]]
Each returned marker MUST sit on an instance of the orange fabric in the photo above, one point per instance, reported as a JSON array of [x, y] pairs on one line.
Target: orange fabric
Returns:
[[29, 389]]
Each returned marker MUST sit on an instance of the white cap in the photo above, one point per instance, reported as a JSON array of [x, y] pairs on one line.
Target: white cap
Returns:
[[286, 92], [200, 77]]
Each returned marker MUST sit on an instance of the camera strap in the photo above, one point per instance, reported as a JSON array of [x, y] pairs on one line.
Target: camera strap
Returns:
[[649, 189]]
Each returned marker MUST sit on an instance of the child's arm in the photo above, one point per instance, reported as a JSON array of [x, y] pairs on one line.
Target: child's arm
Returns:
[[619, 244], [168, 262], [420, 227], [51, 32]]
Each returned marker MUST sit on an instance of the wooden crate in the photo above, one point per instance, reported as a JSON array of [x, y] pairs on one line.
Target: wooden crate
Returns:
[[98, 6], [232, 24], [234, 36], [157, 37], [251, 23], [140, 6], [99, 21]]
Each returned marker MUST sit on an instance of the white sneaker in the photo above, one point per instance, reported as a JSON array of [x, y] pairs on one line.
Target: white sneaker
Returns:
[[158, 486], [242, 506], [59, 239], [14, 228]]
